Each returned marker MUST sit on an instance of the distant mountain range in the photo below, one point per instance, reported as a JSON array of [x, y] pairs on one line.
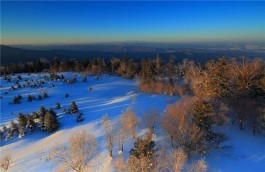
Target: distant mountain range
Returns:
[[33, 53]]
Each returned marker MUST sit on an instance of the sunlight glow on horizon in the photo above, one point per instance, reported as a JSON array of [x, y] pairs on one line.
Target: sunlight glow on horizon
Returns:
[[96, 22]]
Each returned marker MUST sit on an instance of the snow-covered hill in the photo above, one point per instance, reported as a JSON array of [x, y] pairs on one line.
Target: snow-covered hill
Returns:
[[110, 95]]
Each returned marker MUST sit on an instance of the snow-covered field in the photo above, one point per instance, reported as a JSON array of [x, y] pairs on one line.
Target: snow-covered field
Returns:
[[110, 95]]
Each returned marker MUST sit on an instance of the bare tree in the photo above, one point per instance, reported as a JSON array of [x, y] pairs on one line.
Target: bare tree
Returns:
[[130, 122], [5, 162], [150, 120], [77, 155], [199, 166], [179, 159], [119, 165], [109, 130], [181, 129]]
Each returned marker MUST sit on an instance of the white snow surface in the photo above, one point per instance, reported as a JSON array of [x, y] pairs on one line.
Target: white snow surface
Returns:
[[110, 95]]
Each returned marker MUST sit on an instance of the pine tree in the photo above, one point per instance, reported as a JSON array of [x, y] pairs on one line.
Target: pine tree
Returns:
[[158, 65], [74, 108], [16, 100], [57, 106], [45, 95], [30, 98], [80, 118], [42, 112], [30, 122], [50, 122], [21, 131], [203, 116], [22, 121], [13, 126], [39, 97]]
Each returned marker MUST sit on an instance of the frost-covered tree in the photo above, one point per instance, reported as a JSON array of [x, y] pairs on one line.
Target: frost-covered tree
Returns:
[[150, 120], [82, 148], [109, 131], [129, 122]]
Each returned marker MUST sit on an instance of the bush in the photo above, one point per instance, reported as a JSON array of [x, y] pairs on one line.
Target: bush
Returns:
[[45, 95], [39, 97], [30, 98], [80, 118]]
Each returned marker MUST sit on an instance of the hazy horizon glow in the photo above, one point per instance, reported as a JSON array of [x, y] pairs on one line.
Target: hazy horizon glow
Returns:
[[94, 22]]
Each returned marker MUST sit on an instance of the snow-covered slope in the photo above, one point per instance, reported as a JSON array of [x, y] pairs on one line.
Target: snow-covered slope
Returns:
[[110, 95]]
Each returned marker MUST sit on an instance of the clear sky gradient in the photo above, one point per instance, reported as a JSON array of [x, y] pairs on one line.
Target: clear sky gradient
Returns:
[[95, 22]]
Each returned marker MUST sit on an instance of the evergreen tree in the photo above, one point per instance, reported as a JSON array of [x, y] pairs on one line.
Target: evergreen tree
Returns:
[[218, 81], [131, 69], [35, 115], [1, 135], [13, 126], [158, 65], [9, 133], [42, 112], [39, 97], [16, 100], [30, 123], [21, 131], [30, 98], [80, 118], [45, 95], [74, 108], [203, 117], [57, 106], [22, 121], [171, 67], [51, 123], [143, 148], [147, 71]]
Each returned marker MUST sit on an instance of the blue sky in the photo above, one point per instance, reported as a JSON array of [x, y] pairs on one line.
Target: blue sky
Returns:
[[94, 22]]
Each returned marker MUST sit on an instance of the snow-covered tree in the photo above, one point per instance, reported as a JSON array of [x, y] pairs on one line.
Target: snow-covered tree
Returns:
[[78, 154], [129, 122], [109, 131]]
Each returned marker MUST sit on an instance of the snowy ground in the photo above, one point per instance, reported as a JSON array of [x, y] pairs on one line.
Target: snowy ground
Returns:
[[110, 95]]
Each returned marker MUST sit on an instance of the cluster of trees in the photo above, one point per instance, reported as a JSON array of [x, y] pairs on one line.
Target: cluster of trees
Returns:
[[238, 84], [145, 155], [45, 120]]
